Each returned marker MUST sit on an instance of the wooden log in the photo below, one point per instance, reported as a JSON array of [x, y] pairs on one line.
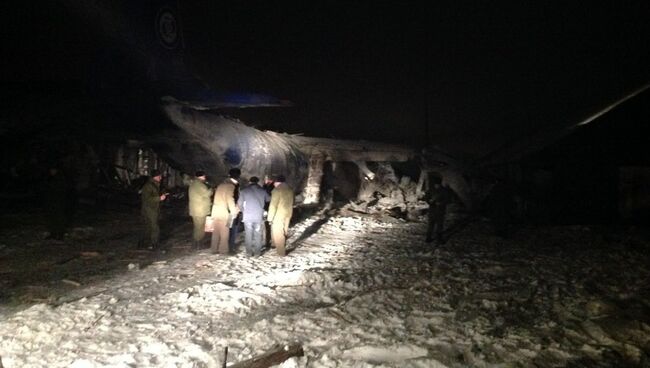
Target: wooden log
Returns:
[[225, 358], [275, 356]]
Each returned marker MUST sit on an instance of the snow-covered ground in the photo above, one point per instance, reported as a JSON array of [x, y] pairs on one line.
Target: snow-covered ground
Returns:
[[360, 291]]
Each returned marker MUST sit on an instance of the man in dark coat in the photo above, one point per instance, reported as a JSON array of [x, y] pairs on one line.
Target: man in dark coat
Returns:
[[499, 205], [55, 200], [438, 197], [251, 202], [200, 201], [268, 187], [150, 210], [234, 228]]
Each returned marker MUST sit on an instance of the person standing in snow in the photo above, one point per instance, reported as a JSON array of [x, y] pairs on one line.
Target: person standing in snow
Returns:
[[499, 205], [251, 202], [224, 211], [200, 201], [150, 210], [280, 211], [268, 187], [438, 197], [55, 203]]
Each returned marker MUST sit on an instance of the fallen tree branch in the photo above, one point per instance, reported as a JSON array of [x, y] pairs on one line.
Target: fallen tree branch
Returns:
[[276, 355]]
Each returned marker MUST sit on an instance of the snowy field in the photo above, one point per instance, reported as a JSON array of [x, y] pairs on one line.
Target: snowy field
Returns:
[[360, 292]]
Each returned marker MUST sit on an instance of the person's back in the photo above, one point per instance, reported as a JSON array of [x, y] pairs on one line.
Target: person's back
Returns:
[[251, 202], [199, 198], [200, 202], [280, 211], [224, 200], [281, 206], [224, 213]]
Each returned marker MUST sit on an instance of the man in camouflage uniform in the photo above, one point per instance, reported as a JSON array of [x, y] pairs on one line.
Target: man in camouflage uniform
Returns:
[[150, 210], [200, 197]]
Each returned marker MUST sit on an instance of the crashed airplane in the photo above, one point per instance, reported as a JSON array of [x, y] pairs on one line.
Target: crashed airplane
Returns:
[[158, 52], [234, 144]]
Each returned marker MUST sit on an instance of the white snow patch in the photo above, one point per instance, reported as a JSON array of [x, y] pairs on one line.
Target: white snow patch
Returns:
[[383, 354], [357, 293]]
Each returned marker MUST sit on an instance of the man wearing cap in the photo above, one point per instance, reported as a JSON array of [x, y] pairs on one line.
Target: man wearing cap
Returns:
[[200, 197], [150, 210], [224, 209], [251, 202], [280, 211]]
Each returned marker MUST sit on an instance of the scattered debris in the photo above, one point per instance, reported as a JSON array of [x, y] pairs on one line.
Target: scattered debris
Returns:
[[71, 282], [358, 290], [90, 254], [204, 263], [276, 355], [67, 259]]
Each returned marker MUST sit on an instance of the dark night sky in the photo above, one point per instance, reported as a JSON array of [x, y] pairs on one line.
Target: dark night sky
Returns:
[[486, 72]]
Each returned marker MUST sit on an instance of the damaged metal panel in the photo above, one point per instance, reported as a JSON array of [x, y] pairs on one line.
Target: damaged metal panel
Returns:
[[135, 159], [355, 151], [454, 173], [301, 159], [234, 144]]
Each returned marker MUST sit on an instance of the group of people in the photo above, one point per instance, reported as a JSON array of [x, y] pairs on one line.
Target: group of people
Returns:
[[223, 209]]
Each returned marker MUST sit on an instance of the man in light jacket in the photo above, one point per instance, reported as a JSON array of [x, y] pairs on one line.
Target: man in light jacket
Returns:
[[224, 209], [200, 197], [280, 211], [251, 202]]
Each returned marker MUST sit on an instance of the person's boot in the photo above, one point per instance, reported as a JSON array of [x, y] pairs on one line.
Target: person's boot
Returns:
[[196, 245]]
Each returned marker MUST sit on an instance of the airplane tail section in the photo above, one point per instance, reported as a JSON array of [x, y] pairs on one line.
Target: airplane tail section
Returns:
[[150, 35]]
